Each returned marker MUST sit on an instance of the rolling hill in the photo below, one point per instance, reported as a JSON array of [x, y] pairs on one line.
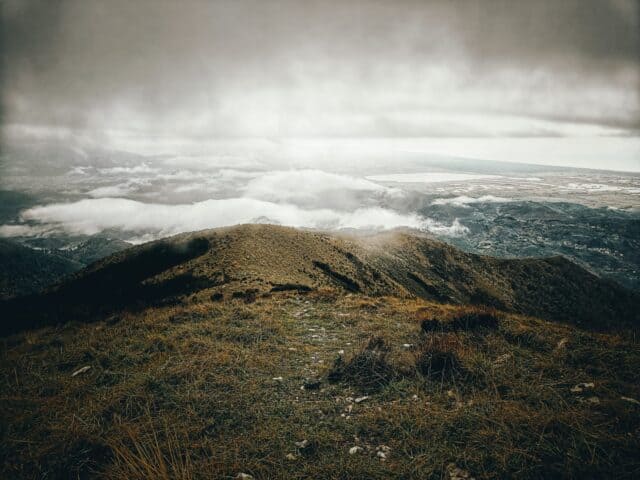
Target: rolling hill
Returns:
[[251, 260]]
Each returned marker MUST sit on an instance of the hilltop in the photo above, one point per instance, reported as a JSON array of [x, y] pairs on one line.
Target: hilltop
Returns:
[[250, 260], [272, 352]]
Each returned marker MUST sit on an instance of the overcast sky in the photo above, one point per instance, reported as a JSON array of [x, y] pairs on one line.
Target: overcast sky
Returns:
[[401, 68]]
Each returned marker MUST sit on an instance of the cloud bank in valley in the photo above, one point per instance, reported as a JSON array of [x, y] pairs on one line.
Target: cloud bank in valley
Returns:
[[298, 198], [91, 216], [465, 201]]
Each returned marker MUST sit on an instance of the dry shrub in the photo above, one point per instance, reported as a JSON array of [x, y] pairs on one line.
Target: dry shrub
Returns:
[[369, 369], [249, 295], [217, 297], [439, 357], [467, 320]]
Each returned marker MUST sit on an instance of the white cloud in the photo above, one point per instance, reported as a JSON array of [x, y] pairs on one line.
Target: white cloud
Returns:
[[9, 230], [315, 188], [120, 190], [142, 168], [429, 177], [600, 187], [464, 201], [91, 216]]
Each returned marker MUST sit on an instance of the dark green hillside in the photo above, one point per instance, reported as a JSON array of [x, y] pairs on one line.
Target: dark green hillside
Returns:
[[24, 270]]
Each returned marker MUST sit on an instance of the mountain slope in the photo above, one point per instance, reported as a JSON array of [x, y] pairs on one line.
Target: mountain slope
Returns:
[[553, 288], [318, 385], [249, 260], [25, 270], [92, 249], [272, 353]]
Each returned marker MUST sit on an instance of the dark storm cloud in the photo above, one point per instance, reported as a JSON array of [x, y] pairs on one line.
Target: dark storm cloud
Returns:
[[317, 67]]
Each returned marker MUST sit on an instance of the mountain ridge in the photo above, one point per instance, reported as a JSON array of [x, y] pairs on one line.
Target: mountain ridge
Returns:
[[249, 260]]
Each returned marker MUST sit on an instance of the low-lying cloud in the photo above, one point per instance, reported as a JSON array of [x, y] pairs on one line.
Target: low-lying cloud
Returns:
[[90, 216], [464, 201], [315, 188], [429, 177]]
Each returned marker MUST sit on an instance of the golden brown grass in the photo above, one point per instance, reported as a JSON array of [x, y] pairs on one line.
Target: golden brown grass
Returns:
[[140, 456], [193, 391]]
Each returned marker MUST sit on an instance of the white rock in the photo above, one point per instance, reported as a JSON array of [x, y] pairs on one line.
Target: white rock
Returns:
[[381, 455], [277, 379], [502, 358], [244, 476], [290, 456], [302, 444], [630, 400], [81, 371], [579, 388], [361, 399], [414, 397], [407, 345], [340, 352], [354, 450], [456, 473]]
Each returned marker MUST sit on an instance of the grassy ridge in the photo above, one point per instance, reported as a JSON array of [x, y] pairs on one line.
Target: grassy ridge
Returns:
[[211, 389], [246, 260]]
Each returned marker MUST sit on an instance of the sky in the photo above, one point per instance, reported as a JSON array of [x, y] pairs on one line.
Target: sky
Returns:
[[117, 70]]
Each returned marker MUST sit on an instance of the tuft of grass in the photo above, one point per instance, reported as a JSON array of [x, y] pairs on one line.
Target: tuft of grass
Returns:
[[142, 455], [466, 319], [438, 358], [369, 369]]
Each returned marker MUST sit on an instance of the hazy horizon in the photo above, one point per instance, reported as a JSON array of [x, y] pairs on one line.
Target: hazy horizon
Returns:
[[543, 82]]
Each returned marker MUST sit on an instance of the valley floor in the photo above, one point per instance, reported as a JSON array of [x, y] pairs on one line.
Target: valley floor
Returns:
[[215, 389]]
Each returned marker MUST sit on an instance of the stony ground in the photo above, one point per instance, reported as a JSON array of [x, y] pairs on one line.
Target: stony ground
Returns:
[[292, 386]]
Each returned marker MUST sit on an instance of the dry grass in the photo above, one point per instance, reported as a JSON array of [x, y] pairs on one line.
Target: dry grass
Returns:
[[194, 391], [140, 456], [369, 369]]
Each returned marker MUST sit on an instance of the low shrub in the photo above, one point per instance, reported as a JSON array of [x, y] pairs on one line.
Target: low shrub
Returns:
[[468, 320], [369, 369]]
